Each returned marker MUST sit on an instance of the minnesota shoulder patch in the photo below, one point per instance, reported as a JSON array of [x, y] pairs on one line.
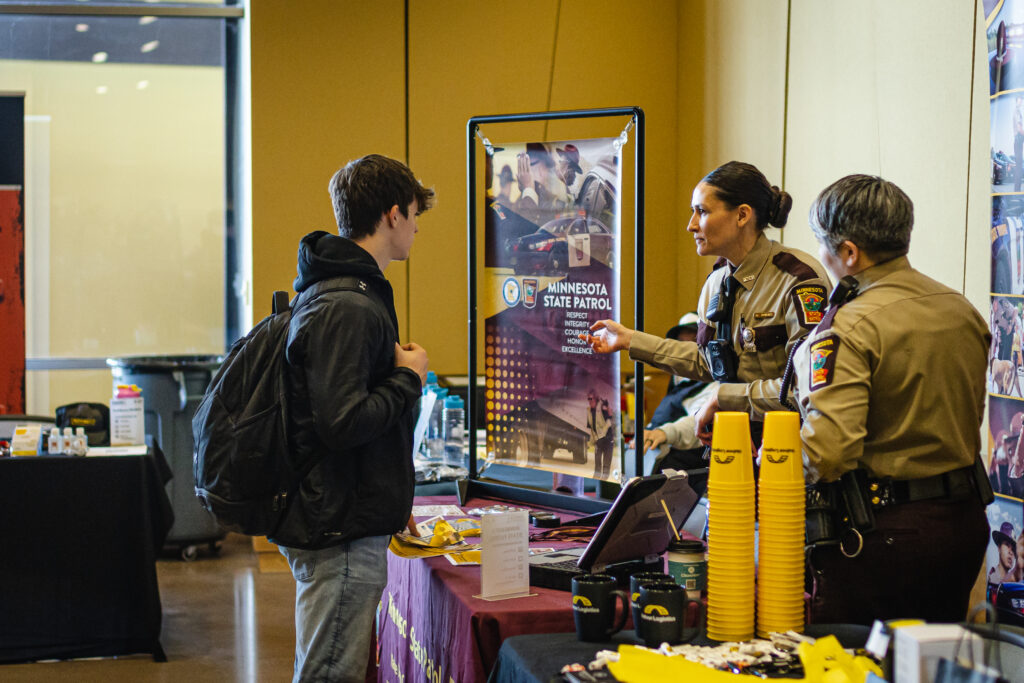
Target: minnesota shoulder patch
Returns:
[[809, 301], [823, 361]]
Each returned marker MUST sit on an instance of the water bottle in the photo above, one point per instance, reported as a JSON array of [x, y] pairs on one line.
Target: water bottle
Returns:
[[55, 445], [80, 442], [454, 432], [435, 428], [67, 441]]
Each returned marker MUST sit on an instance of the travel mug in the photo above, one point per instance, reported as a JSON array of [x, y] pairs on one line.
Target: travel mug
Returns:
[[593, 607], [688, 565]]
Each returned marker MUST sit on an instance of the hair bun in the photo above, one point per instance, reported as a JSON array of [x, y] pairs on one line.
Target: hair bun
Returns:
[[781, 204]]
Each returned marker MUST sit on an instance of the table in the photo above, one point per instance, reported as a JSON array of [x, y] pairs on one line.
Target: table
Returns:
[[431, 628], [81, 537], [539, 658]]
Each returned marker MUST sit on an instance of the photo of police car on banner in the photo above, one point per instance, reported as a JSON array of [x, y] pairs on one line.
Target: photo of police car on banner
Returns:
[[1004, 568], [551, 269]]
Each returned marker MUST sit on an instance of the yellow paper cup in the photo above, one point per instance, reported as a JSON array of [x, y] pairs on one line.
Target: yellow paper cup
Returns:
[[781, 456], [730, 449]]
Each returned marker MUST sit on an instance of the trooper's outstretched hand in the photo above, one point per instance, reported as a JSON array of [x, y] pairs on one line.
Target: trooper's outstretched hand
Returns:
[[608, 336], [414, 357]]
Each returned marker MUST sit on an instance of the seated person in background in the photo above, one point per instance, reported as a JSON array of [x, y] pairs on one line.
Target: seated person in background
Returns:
[[673, 423]]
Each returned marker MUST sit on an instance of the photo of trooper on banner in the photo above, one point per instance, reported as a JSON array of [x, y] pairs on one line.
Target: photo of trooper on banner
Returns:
[[551, 256]]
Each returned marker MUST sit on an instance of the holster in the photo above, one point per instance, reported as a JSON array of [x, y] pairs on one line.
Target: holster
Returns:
[[839, 512]]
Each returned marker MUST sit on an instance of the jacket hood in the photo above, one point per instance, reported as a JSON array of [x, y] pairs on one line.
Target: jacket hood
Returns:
[[323, 255]]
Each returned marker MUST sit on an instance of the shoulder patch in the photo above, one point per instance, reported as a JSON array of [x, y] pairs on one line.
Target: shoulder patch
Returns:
[[809, 302], [788, 263], [823, 361]]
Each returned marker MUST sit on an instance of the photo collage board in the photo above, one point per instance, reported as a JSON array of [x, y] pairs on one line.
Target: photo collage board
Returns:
[[1005, 456]]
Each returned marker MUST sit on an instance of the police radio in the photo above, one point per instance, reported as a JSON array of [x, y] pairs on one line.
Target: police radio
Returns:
[[722, 359], [844, 291]]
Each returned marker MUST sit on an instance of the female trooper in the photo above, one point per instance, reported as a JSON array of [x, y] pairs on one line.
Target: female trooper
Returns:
[[760, 299], [891, 389]]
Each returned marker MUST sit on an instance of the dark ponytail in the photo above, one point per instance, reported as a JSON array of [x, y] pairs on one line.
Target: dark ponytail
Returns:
[[738, 183]]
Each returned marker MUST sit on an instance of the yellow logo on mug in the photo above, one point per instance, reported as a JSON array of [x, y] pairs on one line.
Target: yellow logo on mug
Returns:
[[655, 609], [581, 600]]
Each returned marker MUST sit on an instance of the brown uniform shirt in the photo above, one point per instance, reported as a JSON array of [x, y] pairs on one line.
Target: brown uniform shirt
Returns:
[[896, 383], [782, 295]]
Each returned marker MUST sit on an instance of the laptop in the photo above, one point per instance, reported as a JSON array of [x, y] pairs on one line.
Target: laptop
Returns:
[[632, 537]]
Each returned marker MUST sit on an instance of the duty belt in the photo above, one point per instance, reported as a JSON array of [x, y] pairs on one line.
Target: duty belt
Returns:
[[841, 512], [955, 485]]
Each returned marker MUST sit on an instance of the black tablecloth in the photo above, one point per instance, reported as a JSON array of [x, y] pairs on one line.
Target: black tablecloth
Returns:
[[80, 541], [539, 658]]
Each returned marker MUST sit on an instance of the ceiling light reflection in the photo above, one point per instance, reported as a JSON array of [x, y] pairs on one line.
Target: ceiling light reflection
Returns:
[[99, 57], [146, 21], [81, 28], [101, 90], [142, 85], [150, 46]]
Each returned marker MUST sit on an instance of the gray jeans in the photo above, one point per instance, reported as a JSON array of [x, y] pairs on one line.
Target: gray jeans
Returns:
[[337, 590]]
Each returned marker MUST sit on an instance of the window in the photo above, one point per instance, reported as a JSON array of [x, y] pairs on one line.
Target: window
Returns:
[[130, 182]]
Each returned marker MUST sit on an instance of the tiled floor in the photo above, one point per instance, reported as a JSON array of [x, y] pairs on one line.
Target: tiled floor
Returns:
[[224, 620]]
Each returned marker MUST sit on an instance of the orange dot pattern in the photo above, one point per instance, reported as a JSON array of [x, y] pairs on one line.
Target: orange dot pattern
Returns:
[[507, 387]]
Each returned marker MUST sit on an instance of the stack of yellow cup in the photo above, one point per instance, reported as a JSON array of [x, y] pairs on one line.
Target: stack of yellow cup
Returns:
[[731, 507], [780, 550]]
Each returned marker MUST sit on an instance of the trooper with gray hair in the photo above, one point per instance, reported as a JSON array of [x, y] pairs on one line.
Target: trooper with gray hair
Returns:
[[891, 389]]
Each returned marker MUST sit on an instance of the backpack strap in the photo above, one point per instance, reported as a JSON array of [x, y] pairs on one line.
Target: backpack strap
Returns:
[[346, 283]]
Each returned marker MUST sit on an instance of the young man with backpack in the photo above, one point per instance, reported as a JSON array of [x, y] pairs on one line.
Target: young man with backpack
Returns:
[[352, 392]]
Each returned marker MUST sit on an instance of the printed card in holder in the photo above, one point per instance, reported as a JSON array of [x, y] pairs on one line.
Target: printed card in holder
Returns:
[[504, 571]]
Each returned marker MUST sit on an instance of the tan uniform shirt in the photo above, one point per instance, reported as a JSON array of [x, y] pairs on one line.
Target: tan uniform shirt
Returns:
[[896, 384], [783, 294]]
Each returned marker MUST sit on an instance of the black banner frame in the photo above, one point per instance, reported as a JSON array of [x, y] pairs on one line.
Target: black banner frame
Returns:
[[474, 485]]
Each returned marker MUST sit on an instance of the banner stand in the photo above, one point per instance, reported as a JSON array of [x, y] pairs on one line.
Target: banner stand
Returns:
[[475, 485]]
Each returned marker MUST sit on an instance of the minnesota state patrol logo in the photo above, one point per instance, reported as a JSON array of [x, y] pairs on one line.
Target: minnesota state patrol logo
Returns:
[[511, 291], [823, 361], [809, 301]]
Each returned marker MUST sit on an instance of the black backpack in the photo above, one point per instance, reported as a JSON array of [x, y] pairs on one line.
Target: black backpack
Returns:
[[242, 466]]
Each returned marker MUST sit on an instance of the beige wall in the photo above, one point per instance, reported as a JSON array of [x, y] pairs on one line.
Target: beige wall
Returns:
[[866, 90], [465, 58], [327, 87], [890, 93]]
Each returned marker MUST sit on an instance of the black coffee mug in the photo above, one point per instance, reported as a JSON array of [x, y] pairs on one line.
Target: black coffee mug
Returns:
[[634, 589], [663, 615], [593, 607]]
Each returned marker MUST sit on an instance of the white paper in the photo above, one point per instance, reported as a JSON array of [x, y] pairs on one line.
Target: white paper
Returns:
[[127, 422], [504, 571], [436, 510], [117, 450]]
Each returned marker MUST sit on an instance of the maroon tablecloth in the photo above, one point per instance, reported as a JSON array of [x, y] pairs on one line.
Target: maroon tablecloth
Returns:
[[431, 628]]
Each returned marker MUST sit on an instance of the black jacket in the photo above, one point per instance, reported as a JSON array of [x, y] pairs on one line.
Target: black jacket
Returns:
[[348, 402]]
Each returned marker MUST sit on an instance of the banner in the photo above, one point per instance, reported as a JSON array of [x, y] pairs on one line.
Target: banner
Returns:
[[551, 266], [1005, 559]]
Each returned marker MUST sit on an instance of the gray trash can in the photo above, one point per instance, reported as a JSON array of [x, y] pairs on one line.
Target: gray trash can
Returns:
[[172, 387]]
